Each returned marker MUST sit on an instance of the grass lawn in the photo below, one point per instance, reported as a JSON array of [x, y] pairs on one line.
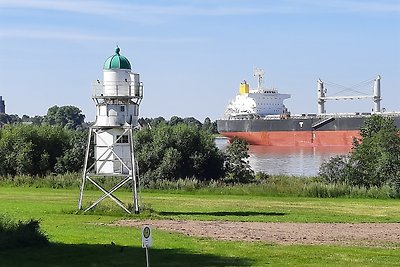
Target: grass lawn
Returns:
[[88, 240]]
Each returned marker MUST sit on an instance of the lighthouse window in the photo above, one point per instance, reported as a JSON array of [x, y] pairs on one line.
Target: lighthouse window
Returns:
[[122, 108], [123, 139]]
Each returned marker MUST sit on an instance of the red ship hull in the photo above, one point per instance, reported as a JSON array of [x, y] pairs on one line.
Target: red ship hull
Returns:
[[298, 138]]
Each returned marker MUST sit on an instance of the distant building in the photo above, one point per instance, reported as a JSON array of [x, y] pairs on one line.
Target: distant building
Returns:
[[2, 105]]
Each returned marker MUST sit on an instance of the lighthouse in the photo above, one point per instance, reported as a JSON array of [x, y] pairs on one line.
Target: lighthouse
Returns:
[[117, 98]]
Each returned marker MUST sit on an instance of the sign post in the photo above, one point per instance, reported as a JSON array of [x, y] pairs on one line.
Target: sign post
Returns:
[[146, 241]]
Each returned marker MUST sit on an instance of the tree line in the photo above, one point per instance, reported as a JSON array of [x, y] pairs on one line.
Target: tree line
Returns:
[[184, 148], [71, 117], [165, 149]]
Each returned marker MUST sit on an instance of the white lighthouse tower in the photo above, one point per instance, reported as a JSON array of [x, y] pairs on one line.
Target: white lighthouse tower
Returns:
[[117, 100]]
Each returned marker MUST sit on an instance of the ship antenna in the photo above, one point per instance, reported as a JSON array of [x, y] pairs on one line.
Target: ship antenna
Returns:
[[259, 73]]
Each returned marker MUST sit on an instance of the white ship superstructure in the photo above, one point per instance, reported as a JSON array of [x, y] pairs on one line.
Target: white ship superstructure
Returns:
[[257, 102]]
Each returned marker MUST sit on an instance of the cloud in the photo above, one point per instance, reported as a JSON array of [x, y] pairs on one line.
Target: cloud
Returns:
[[43, 34], [89, 7], [355, 6], [161, 12], [76, 36], [95, 8], [155, 12]]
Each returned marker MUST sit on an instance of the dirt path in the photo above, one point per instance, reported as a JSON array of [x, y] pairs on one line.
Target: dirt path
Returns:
[[368, 234]]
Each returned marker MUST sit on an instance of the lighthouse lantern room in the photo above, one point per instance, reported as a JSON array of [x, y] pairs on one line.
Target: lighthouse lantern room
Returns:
[[117, 100]]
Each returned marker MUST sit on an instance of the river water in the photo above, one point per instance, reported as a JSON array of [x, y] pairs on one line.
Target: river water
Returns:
[[299, 161]]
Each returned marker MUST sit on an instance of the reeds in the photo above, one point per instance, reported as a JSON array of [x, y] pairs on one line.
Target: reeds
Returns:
[[265, 185]]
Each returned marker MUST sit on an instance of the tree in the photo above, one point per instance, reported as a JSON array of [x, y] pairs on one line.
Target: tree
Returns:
[[237, 167], [9, 119], [25, 118], [31, 150], [192, 121], [375, 124], [177, 151], [37, 120], [335, 169], [156, 121], [210, 126], [175, 120], [74, 154], [39, 150], [374, 160], [69, 117]]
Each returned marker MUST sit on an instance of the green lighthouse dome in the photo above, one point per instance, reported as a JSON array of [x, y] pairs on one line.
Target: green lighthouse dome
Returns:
[[117, 61]]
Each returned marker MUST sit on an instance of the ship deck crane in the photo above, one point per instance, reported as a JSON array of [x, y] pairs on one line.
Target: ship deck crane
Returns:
[[376, 96]]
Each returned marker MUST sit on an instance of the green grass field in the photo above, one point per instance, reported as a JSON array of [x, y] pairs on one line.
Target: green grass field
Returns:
[[88, 240]]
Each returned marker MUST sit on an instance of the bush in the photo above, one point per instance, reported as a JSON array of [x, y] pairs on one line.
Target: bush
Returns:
[[237, 167], [374, 162], [335, 169], [175, 151], [20, 234], [261, 177], [40, 150]]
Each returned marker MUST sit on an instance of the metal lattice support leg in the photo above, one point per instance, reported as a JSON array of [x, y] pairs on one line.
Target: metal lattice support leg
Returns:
[[109, 155], [84, 170], [133, 173], [109, 193]]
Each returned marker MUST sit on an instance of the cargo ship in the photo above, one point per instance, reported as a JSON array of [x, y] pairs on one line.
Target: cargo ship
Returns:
[[260, 117]]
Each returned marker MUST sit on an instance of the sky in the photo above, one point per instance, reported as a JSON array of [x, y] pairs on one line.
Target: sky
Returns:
[[193, 54]]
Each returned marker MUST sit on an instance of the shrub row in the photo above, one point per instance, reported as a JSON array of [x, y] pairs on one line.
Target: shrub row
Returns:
[[278, 185]]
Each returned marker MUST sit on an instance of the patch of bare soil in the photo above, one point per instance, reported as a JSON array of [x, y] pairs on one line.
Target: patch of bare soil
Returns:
[[366, 234]]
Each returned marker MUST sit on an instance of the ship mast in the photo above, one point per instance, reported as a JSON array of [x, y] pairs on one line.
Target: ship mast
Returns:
[[259, 73]]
